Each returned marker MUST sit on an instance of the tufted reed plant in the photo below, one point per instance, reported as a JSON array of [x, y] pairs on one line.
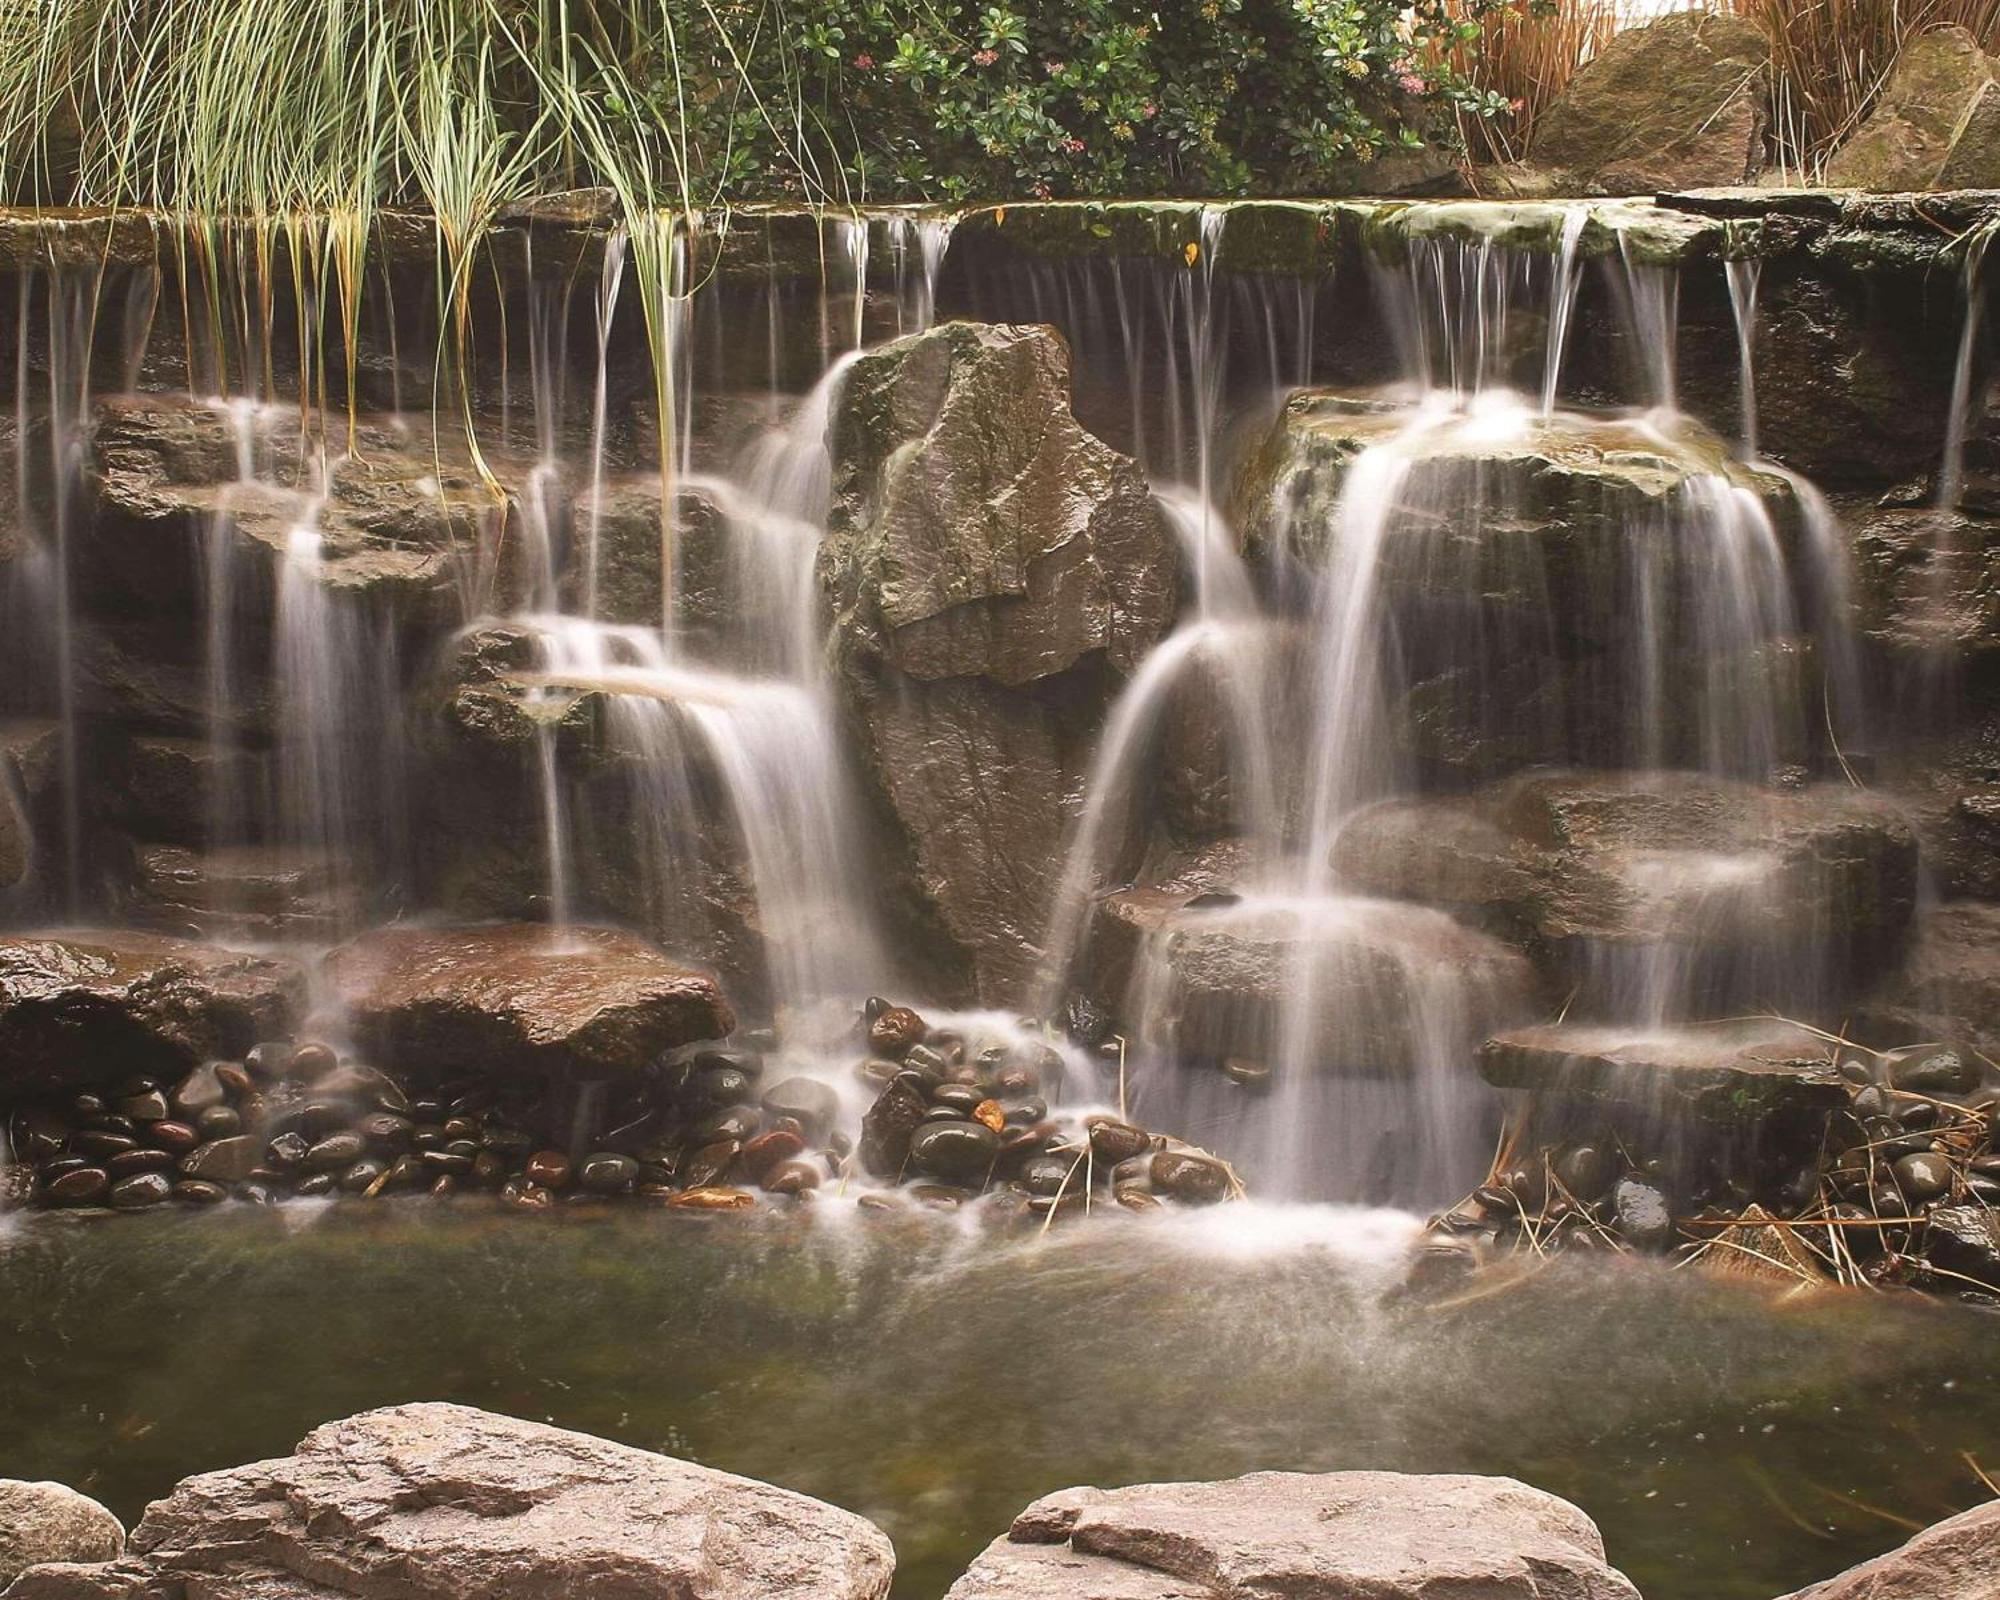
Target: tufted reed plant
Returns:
[[1830, 59], [1524, 53]]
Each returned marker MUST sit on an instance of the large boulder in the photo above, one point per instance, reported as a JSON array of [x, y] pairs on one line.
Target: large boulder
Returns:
[[88, 1007], [444, 1502], [521, 998], [979, 530], [1679, 103], [992, 568], [47, 1522], [1957, 1559], [1325, 1536], [1662, 889], [1935, 124]]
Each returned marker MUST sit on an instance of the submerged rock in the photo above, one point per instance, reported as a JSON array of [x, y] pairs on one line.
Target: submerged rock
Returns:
[[444, 1502], [1326, 1536], [518, 998], [91, 1007], [1957, 1559], [48, 1522]]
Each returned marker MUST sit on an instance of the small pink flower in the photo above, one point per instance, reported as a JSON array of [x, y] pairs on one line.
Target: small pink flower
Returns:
[[1410, 83], [1073, 145], [986, 58], [1149, 110], [1053, 68], [864, 61]]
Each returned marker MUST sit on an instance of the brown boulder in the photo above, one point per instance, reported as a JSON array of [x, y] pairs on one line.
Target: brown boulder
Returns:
[[521, 998], [1957, 1559], [1935, 124], [83, 1007]]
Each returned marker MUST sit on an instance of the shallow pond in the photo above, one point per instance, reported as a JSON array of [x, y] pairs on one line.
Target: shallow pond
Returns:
[[1732, 1445]]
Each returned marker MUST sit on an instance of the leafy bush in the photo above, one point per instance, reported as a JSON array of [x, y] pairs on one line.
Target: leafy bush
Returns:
[[461, 104]]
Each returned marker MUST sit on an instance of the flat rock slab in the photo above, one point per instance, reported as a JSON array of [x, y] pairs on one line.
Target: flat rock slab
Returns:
[[88, 1006], [1957, 1559], [521, 997], [445, 1502], [1305, 1536], [1724, 1071]]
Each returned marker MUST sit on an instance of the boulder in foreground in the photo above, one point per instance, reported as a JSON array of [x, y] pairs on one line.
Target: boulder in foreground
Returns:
[[81, 1007], [445, 1502], [522, 998], [1957, 1559], [47, 1522], [1306, 1536]]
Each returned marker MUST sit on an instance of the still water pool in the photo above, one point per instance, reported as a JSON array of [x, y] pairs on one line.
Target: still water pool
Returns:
[[1731, 1443]]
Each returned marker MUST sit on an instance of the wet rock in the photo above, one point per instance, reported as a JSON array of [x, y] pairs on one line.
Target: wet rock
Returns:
[[1751, 893], [227, 1160], [549, 1169], [713, 1199], [1957, 1559], [1934, 125], [47, 1522], [895, 1030], [955, 1152], [1948, 990], [443, 1502], [770, 1149], [139, 1191], [199, 1091], [1231, 968], [887, 1127], [987, 561], [1728, 1072], [1927, 1070], [1966, 1240], [1112, 1142], [814, 1105], [1923, 1176], [1678, 103], [1330, 1536], [81, 1186], [93, 1007], [1195, 1180], [507, 999], [198, 1192], [791, 1177], [605, 1173]]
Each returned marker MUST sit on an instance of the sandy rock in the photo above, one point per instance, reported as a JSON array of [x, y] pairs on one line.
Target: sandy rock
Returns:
[[48, 1522], [1957, 1559], [444, 1502], [1328, 1536]]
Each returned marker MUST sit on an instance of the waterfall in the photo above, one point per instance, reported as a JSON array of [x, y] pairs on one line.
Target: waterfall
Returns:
[[1743, 273], [1951, 471]]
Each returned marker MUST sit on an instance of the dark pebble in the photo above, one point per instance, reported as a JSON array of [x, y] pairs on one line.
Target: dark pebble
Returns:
[[791, 1177], [547, 1169], [143, 1189], [228, 1160], [959, 1152], [148, 1107], [314, 1184], [767, 1150], [96, 1142], [1112, 1141], [127, 1162], [1927, 1070], [738, 1123], [313, 1060], [233, 1078], [1923, 1176], [175, 1136], [337, 1150], [813, 1103], [200, 1192], [606, 1173], [894, 1030], [79, 1186], [1190, 1178]]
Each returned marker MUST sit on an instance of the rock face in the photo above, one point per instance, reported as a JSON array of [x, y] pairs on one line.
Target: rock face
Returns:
[[516, 998], [988, 561], [1724, 1072], [1505, 559], [88, 1007], [1957, 1559], [1935, 125], [1330, 1536], [1225, 969], [1948, 991], [443, 1502], [1679, 103], [1696, 888], [48, 1522]]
